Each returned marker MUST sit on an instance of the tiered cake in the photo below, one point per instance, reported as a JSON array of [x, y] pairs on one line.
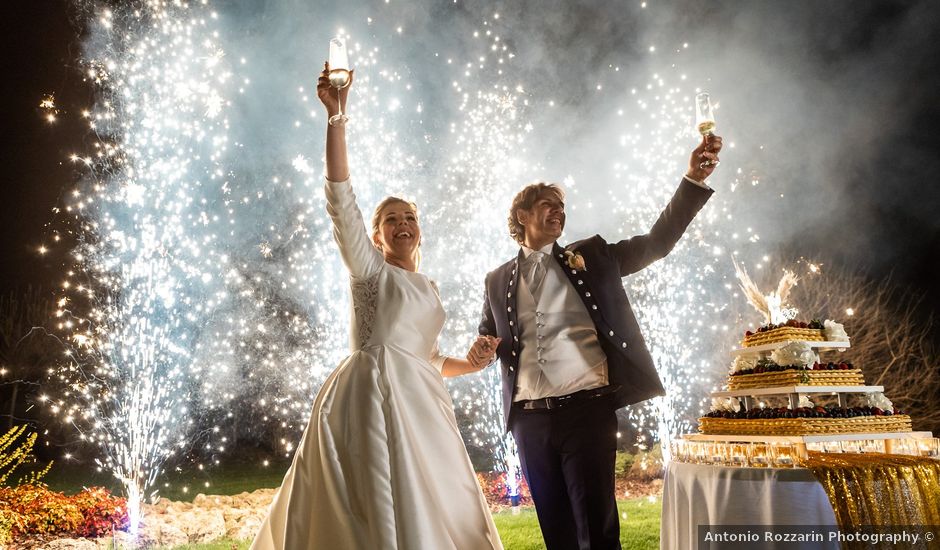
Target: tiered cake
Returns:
[[780, 391], [782, 361]]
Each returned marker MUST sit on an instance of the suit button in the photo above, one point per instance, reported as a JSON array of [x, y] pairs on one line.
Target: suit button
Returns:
[[513, 353], [511, 282], [510, 369], [574, 271], [509, 295], [509, 309], [587, 294], [561, 255], [623, 345], [594, 307], [611, 333], [510, 323], [515, 338], [580, 282]]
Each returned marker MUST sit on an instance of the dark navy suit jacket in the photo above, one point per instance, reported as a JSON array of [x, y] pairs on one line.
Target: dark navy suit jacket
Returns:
[[600, 287]]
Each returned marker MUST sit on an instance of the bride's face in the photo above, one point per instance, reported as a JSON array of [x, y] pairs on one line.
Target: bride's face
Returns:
[[398, 233]]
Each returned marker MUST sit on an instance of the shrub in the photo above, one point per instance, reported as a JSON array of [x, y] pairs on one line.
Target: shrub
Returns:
[[34, 509], [102, 513], [13, 456], [647, 465], [37, 510], [496, 490], [7, 522], [623, 464]]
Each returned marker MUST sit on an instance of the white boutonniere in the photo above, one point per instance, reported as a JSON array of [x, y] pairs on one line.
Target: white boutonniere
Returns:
[[575, 260]]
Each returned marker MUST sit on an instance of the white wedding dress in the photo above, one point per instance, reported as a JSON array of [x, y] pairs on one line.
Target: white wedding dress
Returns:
[[381, 464]]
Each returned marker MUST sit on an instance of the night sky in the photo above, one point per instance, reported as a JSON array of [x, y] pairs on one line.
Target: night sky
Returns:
[[40, 56], [889, 171]]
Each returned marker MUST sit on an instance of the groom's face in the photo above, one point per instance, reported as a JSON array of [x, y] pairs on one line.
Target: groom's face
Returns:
[[545, 221]]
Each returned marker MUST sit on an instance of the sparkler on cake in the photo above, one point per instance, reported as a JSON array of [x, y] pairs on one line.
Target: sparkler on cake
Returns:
[[780, 324]]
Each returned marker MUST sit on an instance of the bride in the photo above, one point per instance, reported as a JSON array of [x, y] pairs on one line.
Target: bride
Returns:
[[381, 464]]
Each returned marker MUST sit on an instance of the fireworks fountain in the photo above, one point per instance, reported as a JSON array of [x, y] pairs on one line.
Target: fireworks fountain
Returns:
[[206, 276], [144, 280]]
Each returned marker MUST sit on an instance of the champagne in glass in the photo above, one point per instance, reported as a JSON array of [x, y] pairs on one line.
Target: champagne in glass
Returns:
[[704, 119], [704, 114], [339, 76]]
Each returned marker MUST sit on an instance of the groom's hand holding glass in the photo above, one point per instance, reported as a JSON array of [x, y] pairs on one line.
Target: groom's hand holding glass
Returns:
[[704, 158]]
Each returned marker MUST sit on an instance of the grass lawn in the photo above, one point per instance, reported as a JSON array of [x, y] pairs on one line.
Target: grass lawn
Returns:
[[639, 517], [639, 529], [639, 526]]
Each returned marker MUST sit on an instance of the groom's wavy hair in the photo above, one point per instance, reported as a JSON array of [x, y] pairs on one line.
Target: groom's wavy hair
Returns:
[[524, 200]]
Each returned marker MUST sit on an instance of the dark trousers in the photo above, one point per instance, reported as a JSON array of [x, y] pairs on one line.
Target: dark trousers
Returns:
[[568, 457]]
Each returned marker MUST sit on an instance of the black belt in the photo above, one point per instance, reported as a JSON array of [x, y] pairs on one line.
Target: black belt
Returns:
[[563, 400]]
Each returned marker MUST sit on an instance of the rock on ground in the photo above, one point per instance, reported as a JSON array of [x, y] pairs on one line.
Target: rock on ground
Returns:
[[169, 523]]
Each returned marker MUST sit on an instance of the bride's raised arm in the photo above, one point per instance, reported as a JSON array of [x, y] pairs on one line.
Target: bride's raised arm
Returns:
[[349, 230]]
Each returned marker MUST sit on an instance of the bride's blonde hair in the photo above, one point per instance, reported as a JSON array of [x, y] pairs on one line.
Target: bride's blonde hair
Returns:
[[377, 218]]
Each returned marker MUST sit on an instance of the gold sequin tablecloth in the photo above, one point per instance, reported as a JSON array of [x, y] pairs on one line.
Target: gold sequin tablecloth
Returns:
[[879, 489]]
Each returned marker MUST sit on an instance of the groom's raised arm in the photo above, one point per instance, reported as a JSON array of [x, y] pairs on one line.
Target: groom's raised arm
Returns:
[[635, 253], [638, 252]]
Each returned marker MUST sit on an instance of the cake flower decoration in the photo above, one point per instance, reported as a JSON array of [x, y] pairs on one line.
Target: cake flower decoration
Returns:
[[744, 362], [834, 332], [878, 400], [794, 354], [729, 404]]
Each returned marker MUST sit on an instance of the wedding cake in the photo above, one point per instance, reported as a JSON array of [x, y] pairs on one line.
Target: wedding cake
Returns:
[[795, 363], [783, 332], [777, 374], [791, 371]]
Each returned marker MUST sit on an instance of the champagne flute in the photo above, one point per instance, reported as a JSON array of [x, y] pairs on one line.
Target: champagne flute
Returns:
[[339, 77], [704, 120]]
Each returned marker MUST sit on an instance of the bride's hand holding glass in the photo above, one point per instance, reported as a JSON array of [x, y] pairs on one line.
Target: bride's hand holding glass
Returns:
[[333, 97]]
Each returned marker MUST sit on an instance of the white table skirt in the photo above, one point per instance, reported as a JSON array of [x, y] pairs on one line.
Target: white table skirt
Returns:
[[695, 494]]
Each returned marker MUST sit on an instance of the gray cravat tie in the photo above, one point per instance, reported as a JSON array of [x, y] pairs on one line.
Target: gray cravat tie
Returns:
[[535, 274]]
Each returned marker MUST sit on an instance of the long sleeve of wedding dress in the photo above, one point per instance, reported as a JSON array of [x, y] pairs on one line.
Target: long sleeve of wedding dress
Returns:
[[349, 230]]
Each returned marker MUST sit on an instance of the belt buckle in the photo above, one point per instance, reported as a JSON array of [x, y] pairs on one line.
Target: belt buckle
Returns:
[[558, 401]]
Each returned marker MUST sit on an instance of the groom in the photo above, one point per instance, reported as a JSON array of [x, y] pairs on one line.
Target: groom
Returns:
[[572, 353]]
